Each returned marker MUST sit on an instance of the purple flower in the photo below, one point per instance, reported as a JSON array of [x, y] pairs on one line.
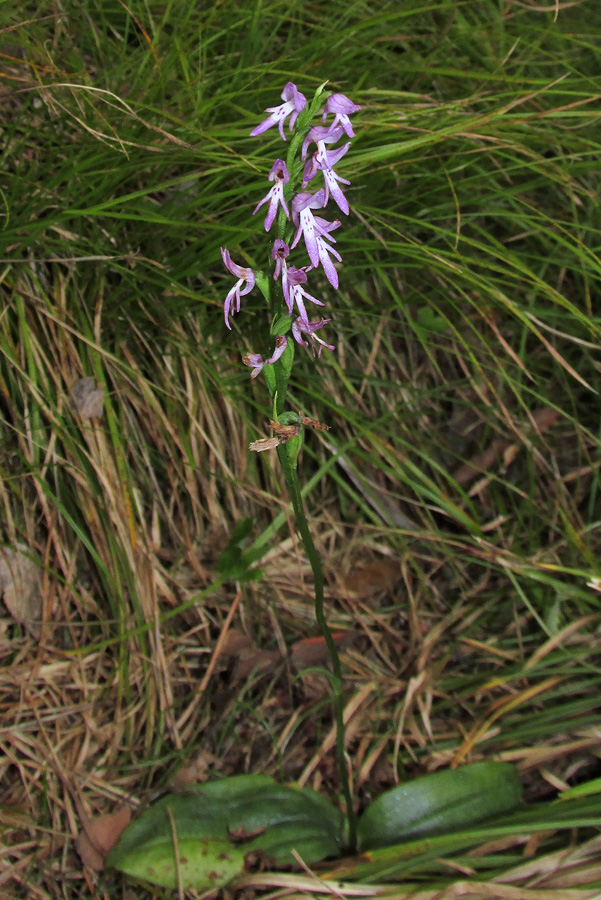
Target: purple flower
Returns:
[[244, 276], [294, 103], [315, 232], [294, 292], [342, 108], [299, 327], [325, 160], [279, 175], [256, 361], [320, 133], [279, 253]]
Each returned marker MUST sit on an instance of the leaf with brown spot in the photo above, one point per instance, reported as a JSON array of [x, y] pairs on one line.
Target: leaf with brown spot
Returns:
[[257, 861], [21, 586], [100, 835], [241, 835]]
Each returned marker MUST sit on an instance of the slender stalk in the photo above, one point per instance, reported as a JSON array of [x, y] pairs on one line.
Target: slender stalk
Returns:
[[318, 582]]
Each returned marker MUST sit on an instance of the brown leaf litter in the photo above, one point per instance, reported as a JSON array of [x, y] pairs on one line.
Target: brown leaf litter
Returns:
[[21, 586], [306, 653], [375, 577], [87, 398], [99, 835]]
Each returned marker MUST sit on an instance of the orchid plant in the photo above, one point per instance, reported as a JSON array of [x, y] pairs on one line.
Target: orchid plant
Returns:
[[215, 832], [302, 186]]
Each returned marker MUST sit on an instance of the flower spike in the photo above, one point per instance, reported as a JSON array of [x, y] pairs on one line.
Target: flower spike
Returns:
[[289, 198]]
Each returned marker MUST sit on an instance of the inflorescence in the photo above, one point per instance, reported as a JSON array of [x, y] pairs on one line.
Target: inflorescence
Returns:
[[302, 208]]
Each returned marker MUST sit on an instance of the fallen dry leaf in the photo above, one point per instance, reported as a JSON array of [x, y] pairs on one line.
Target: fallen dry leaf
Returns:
[[257, 660], [193, 771], [100, 835], [21, 586], [235, 642], [373, 578], [247, 655], [313, 651], [87, 398], [304, 654]]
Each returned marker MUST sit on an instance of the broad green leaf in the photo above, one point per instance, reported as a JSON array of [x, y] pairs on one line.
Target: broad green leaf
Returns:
[[440, 803], [403, 860], [207, 836]]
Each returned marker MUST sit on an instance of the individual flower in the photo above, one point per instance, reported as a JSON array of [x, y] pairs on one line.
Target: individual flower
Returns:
[[299, 327], [342, 108], [280, 176], [245, 277], [256, 361], [294, 103], [295, 293], [321, 133], [316, 232], [279, 253], [326, 160]]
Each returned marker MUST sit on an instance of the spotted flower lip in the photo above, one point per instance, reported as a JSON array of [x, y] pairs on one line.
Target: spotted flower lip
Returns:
[[316, 232], [245, 277], [275, 197], [300, 327], [294, 103], [256, 361], [342, 107]]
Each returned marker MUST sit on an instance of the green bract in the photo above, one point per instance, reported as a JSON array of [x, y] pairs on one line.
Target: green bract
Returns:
[[222, 829], [439, 803]]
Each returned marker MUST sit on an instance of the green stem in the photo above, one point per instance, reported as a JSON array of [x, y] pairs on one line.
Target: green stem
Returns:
[[314, 560]]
